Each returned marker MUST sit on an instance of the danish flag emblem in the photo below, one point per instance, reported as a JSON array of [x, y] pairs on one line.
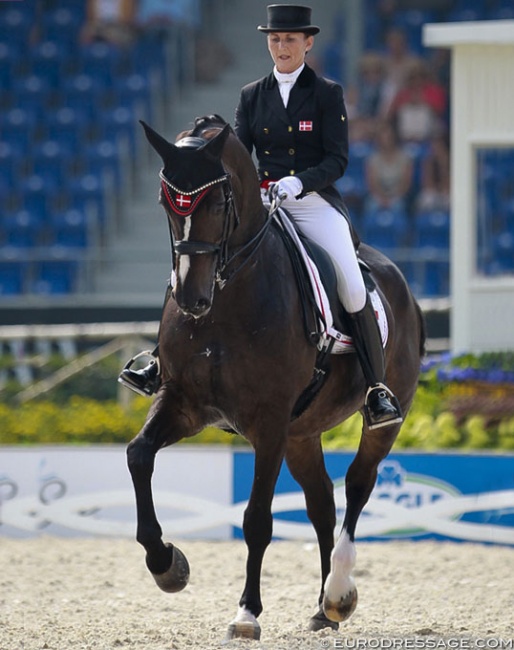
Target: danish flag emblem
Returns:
[[305, 125], [183, 201]]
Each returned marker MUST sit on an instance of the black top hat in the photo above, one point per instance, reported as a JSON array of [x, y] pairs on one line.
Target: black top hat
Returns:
[[289, 18]]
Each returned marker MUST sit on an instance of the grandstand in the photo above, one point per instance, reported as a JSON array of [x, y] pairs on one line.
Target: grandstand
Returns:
[[71, 148]]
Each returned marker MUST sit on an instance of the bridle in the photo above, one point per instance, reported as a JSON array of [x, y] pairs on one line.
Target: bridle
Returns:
[[184, 203]]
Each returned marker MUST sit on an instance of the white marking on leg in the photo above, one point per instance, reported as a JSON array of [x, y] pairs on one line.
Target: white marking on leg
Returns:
[[244, 616], [340, 582]]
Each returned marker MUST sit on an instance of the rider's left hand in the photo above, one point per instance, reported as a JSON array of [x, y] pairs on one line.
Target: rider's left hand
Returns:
[[288, 187]]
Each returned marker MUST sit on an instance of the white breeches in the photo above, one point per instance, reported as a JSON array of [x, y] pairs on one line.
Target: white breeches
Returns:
[[327, 227]]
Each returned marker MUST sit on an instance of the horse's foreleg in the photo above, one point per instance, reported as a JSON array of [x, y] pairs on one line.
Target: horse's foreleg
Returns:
[[166, 562], [257, 529], [307, 466], [340, 599]]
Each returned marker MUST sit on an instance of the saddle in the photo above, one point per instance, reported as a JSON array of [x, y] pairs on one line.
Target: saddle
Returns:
[[318, 332], [314, 319]]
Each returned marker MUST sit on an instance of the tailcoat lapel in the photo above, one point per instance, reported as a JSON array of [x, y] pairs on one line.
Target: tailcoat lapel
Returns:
[[301, 91], [274, 100]]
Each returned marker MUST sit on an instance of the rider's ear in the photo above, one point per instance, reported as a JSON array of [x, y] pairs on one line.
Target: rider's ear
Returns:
[[160, 144]]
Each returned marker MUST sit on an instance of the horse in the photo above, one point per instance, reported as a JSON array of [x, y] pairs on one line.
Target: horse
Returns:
[[233, 353]]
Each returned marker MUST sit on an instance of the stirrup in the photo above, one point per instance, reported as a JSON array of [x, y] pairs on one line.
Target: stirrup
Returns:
[[151, 388], [394, 418]]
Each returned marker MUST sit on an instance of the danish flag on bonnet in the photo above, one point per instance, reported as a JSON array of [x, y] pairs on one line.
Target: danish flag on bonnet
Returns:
[[305, 125]]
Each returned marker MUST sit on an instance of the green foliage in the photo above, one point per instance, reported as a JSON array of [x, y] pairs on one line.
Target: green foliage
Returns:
[[85, 409]]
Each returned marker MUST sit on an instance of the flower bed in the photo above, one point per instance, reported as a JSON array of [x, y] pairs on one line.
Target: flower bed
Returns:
[[465, 402]]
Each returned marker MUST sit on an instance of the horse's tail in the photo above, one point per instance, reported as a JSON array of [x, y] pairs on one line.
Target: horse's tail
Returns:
[[422, 330]]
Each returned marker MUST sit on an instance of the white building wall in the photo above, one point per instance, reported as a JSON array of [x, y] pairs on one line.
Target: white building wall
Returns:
[[482, 101]]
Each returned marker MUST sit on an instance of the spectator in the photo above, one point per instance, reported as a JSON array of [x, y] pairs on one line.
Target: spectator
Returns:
[[112, 21], [419, 108], [435, 177], [397, 61], [371, 84], [388, 171]]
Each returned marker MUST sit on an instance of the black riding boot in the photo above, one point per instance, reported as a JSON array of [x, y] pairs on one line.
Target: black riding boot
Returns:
[[381, 406], [145, 381]]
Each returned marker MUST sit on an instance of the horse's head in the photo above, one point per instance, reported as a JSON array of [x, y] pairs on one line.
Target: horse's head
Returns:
[[197, 194]]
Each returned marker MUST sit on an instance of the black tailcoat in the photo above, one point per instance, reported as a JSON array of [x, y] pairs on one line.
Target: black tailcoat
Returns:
[[309, 138]]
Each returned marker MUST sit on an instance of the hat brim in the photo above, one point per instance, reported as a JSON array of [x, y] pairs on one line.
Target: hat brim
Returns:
[[307, 29]]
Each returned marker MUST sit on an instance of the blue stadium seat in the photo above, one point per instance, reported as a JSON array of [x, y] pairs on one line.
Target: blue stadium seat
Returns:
[[437, 279], [117, 125], [384, 228], [134, 92], [104, 156], [34, 94], [411, 21], [59, 274], [83, 92], [68, 126], [9, 56], [12, 159], [89, 190], [52, 161], [432, 230], [51, 60], [72, 229], [100, 60], [503, 252], [36, 195], [63, 25], [21, 229], [15, 25], [417, 151], [14, 270], [18, 127]]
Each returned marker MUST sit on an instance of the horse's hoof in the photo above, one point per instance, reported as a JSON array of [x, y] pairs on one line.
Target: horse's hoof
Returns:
[[342, 609], [243, 630], [177, 576], [320, 622]]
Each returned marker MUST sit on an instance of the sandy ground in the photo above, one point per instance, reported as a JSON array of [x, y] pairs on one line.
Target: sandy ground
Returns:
[[58, 594]]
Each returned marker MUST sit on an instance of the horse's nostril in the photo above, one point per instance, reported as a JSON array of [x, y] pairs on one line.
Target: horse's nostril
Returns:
[[202, 305]]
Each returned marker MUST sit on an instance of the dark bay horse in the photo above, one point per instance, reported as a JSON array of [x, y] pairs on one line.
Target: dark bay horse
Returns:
[[234, 353]]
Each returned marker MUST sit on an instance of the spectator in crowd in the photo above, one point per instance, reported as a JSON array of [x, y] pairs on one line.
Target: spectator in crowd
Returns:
[[371, 84], [388, 171], [398, 60], [112, 21], [434, 192], [419, 108]]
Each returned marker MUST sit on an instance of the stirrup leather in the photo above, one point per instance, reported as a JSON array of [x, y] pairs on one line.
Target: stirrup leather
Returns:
[[149, 389], [395, 418]]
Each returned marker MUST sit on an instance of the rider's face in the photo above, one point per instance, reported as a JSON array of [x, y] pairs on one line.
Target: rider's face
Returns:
[[288, 49]]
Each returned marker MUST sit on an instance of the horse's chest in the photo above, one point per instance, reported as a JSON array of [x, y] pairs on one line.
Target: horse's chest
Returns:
[[198, 362]]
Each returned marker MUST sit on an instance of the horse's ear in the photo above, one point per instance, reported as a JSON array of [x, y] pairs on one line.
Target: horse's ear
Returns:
[[160, 144], [214, 147]]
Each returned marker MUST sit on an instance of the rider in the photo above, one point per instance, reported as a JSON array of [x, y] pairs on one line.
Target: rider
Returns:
[[297, 123]]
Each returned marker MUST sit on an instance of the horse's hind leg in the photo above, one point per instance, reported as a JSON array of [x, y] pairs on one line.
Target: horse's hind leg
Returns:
[[305, 460], [340, 598], [166, 562]]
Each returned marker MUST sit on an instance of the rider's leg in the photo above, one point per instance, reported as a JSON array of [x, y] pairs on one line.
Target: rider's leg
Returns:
[[327, 227], [147, 380]]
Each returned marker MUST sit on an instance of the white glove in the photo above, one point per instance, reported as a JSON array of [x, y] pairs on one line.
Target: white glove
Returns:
[[288, 187]]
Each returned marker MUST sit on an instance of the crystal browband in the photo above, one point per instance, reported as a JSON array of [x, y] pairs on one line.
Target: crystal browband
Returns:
[[195, 191]]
